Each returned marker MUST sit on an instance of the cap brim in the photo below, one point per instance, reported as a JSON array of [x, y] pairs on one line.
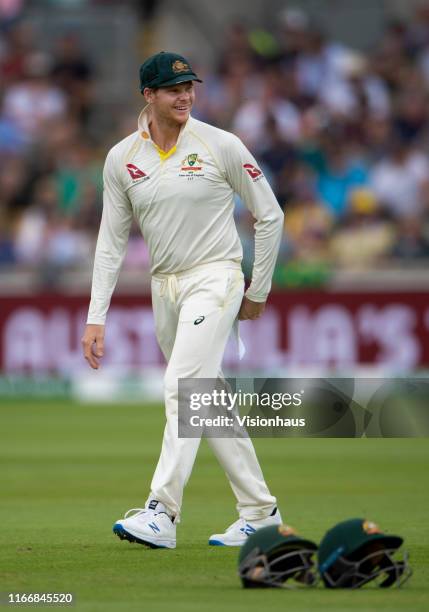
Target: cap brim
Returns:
[[184, 78], [390, 541], [296, 540]]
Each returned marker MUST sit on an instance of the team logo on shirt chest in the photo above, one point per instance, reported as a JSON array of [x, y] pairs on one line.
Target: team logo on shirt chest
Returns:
[[136, 174], [192, 166]]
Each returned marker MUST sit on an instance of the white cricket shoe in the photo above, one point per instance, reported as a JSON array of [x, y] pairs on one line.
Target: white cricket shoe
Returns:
[[150, 526], [238, 532]]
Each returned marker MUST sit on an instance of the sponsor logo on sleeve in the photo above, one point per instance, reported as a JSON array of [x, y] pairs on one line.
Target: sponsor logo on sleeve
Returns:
[[136, 174], [254, 172]]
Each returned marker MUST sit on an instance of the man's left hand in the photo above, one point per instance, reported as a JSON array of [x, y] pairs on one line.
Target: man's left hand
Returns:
[[250, 310]]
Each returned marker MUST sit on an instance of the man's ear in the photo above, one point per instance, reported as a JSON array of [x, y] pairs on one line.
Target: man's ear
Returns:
[[148, 94]]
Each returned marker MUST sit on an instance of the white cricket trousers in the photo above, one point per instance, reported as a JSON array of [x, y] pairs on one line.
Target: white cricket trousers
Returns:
[[213, 291]]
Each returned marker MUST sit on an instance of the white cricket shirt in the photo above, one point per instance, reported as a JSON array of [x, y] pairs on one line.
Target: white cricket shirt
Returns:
[[183, 202]]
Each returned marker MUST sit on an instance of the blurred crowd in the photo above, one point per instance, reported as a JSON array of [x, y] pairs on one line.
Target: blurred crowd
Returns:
[[342, 136], [50, 165]]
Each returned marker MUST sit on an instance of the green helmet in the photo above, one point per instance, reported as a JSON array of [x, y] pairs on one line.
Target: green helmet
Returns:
[[272, 555], [356, 552]]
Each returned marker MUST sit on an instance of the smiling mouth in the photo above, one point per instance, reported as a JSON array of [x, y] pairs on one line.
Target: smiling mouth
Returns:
[[181, 108]]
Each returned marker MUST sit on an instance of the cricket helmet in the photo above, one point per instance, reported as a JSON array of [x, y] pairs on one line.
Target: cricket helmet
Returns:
[[273, 555], [356, 551]]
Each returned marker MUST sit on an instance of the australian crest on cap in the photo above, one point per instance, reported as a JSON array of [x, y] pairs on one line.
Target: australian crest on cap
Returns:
[[286, 530], [370, 527], [179, 66]]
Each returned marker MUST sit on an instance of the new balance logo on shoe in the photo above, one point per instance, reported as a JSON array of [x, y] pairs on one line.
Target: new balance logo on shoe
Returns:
[[154, 527], [240, 530], [248, 529]]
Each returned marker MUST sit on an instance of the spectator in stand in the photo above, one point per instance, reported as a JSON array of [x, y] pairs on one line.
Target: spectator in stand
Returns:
[[391, 60], [376, 138], [32, 226], [12, 139], [65, 245], [34, 101], [412, 112], [401, 180], [76, 171], [13, 175], [7, 255], [352, 92], [236, 47], [319, 63], [251, 117], [16, 45], [294, 33], [279, 157], [365, 237], [417, 34], [225, 92], [73, 73], [337, 167], [308, 224], [411, 242], [46, 236]]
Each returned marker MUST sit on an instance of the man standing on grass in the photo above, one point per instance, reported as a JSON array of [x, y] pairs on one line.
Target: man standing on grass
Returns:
[[177, 176]]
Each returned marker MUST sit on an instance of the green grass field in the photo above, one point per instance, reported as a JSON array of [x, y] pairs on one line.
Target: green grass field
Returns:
[[69, 471]]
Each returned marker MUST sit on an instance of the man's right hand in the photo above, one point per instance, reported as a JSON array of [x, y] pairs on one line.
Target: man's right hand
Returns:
[[93, 344]]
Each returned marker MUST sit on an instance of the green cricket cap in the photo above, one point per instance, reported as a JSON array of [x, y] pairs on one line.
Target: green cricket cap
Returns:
[[165, 68], [271, 538], [347, 537]]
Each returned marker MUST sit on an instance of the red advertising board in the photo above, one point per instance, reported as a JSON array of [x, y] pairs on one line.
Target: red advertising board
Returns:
[[41, 334]]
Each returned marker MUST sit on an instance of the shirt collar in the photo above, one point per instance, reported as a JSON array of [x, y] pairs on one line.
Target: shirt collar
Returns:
[[143, 125]]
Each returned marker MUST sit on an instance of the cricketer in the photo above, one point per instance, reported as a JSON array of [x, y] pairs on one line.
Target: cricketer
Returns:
[[177, 177]]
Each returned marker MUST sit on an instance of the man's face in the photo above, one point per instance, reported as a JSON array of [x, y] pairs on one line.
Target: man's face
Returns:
[[172, 103]]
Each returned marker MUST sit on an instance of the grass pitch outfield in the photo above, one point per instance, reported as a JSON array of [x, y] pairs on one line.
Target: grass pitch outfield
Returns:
[[69, 471]]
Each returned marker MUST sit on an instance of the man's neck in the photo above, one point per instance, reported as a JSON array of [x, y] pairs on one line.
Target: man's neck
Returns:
[[164, 133]]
